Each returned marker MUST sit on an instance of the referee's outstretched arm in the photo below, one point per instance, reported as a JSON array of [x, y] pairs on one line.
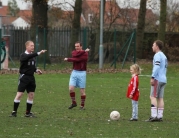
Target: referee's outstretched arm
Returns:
[[25, 57]]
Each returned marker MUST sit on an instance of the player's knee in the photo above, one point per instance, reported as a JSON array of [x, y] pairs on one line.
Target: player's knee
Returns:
[[71, 89], [160, 100], [31, 95], [82, 91], [152, 98], [19, 95]]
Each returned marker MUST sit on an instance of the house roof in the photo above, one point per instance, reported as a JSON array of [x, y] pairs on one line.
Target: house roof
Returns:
[[4, 11], [6, 19], [27, 13], [132, 14], [94, 5]]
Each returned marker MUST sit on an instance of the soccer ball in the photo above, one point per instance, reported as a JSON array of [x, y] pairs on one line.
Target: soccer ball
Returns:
[[114, 115]]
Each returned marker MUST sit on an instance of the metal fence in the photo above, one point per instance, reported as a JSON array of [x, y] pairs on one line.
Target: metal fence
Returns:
[[58, 40]]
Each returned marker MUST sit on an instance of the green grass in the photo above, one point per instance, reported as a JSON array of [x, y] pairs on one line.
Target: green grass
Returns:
[[105, 92]]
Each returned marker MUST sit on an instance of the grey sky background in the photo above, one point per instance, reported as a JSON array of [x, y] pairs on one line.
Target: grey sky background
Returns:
[[152, 4], [122, 3], [21, 3]]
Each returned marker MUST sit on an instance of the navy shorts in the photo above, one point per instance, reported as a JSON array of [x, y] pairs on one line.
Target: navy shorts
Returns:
[[26, 83]]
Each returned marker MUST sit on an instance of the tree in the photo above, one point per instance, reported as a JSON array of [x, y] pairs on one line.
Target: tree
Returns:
[[172, 22], [163, 14], [140, 27], [54, 15], [39, 23], [13, 8], [76, 24], [39, 13]]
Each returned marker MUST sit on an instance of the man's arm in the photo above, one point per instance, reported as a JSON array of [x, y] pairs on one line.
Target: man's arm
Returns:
[[79, 59], [25, 57], [156, 68], [77, 53]]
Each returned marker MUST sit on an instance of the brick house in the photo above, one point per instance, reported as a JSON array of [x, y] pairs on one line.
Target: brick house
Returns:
[[122, 18], [91, 13], [22, 20]]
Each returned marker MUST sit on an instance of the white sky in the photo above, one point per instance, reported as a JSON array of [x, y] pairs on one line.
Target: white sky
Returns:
[[122, 3], [23, 5]]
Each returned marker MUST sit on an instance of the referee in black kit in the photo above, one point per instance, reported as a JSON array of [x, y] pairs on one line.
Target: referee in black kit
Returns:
[[26, 78]]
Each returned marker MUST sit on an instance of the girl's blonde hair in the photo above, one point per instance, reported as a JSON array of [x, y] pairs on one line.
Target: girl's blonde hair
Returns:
[[136, 68]]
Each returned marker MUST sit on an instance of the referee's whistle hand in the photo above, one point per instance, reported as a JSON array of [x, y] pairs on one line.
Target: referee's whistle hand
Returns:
[[42, 51]]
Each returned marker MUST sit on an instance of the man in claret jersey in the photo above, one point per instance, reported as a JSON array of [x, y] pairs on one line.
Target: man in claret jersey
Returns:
[[78, 75]]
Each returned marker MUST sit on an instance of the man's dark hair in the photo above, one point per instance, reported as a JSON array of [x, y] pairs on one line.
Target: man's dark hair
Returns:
[[159, 43], [79, 43]]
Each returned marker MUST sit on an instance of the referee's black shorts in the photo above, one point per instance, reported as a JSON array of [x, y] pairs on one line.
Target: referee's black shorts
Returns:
[[26, 83]]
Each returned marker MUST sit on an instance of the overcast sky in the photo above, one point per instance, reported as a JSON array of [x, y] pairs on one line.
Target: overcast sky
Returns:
[[122, 3], [23, 5]]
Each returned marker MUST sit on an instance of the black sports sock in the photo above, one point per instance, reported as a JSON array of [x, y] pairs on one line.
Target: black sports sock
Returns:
[[28, 108], [16, 105]]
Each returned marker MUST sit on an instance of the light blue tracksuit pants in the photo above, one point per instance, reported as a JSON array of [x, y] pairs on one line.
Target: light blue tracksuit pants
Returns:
[[134, 109]]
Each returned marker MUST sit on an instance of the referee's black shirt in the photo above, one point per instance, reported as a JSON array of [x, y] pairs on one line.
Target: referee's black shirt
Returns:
[[28, 63]]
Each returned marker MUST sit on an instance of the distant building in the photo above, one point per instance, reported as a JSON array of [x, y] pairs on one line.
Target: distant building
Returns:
[[91, 13], [122, 18], [114, 16], [23, 19], [20, 23]]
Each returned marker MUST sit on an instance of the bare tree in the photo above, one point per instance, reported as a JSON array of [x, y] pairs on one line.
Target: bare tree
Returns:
[[163, 14], [54, 14], [140, 27], [39, 23], [172, 22], [76, 24], [70, 16], [111, 20]]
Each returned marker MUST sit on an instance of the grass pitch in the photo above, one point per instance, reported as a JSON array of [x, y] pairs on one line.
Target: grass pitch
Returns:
[[105, 91]]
